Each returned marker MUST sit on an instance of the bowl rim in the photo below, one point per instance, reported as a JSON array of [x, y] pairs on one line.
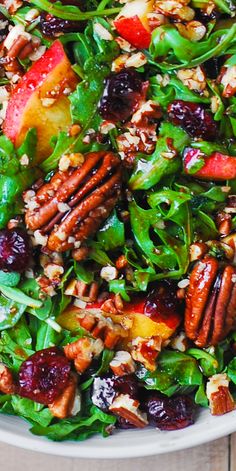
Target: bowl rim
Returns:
[[220, 427]]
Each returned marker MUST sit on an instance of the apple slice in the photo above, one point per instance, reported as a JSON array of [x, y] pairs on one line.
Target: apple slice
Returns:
[[40, 100], [217, 166], [143, 324], [132, 23]]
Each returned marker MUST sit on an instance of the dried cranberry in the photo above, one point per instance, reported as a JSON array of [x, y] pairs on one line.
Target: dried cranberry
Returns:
[[213, 66], [107, 387], [162, 302], [127, 385], [44, 375], [169, 413], [193, 118], [52, 26], [14, 250], [122, 95]]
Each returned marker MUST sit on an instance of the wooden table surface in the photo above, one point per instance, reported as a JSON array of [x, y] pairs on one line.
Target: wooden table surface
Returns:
[[215, 456]]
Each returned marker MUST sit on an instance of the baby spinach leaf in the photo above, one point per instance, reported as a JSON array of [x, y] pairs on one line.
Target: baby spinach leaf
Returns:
[[77, 428], [174, 371], [10, 312]]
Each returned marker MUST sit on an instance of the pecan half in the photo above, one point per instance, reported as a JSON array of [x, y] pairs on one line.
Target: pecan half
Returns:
[[210, 312], [72, 206]]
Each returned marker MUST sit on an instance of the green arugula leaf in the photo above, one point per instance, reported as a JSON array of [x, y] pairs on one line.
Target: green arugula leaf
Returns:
[[112, 234]]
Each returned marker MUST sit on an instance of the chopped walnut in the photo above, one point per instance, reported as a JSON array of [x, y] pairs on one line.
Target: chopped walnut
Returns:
[[128, 408], [218, 394], [122, 363]]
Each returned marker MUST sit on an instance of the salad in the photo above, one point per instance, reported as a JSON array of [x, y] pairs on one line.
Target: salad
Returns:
[[117, 213]]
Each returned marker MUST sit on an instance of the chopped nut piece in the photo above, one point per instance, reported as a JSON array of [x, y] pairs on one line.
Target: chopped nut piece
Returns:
[[180, 342], [228, 80], [7, 385], [53, 271], [176, 9], [197, 251], [193, 30], [122, 363], [109, 273], [82, 351], [83, 291], [218, 394], [63, 405], [146, 350], [194, 79], [126, 407]]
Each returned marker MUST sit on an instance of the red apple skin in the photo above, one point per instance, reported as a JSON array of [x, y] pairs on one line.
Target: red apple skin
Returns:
[[217, 166], [133, 31], [137, 306], [25, 109]]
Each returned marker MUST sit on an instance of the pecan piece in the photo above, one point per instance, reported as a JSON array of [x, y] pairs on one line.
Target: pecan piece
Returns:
[[210, 312], [71, 207], [126, 407], [218, 394], [68, 403], [82, 351], [7, 385]]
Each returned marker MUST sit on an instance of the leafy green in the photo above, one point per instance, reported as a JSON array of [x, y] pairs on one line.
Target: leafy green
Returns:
[[174, 89], [112, 234], [231, 370], [9, 278], [67, 12], [175, 372], [180, 52], [77, 428], [150, 170], [169, 249]]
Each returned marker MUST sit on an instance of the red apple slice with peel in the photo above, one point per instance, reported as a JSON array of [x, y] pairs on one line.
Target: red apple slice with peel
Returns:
[[144, 323], [132, 23], [217, 166], [40, 100]]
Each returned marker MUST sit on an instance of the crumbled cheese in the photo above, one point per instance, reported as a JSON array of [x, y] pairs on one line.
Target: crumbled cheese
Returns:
[[109, 273]]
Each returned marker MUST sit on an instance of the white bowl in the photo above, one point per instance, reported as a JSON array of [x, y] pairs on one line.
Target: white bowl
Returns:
[[123, 444]]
